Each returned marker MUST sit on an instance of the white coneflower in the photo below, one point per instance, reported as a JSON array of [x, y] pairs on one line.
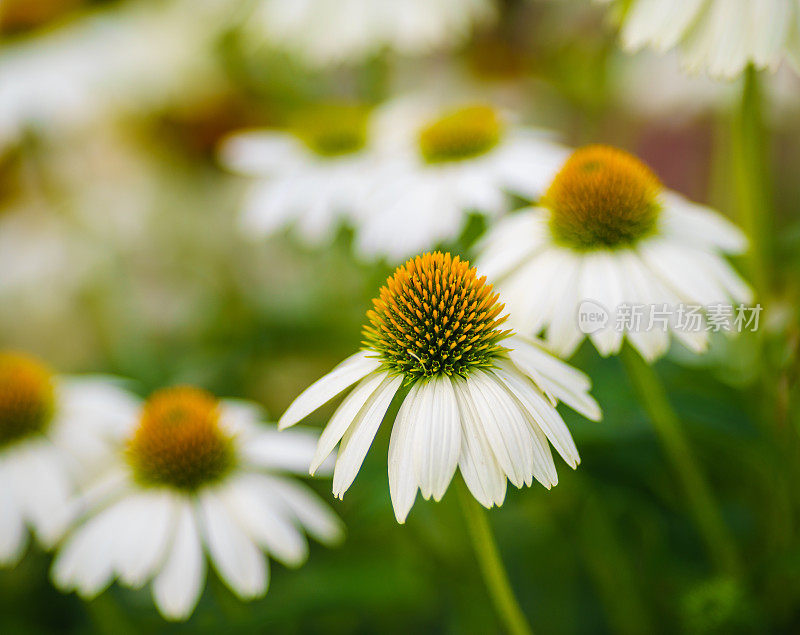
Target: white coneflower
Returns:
[[197, 475], [720, 37], [311, 177], [325, 32], [608, 231], [117, 60], [48, 442], [479, 398], [442, 162]]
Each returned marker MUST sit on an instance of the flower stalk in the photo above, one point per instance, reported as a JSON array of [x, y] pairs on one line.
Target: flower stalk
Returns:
[[750, 177], [491, 565], [702, 505]]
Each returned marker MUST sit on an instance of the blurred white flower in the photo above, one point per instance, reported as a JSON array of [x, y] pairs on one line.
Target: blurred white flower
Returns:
[[310, 177], [331, 31], [49, 442], [607, 231], [720, 37], [438, 163], [124, 59], [480, 399], [196, 475]]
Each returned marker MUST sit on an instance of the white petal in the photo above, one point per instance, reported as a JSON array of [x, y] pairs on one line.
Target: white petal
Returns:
[[147, 530], [290, 450], [541, 411], [177, 587], [264, 517], [13, 535], [236, 558], [437, 437], [49, 487], [512, 241], [344, 417], [317, 518], [359, 436], [505, 427], [481, 472], [86, 561], [402, 476], [698, 224], [323, 390], [600, 282]]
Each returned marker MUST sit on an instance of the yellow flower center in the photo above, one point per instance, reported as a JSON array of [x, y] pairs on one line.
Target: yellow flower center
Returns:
[[332, 129], [461, 134], [27, 399], [434, 316], [602, 197], [179, 442]]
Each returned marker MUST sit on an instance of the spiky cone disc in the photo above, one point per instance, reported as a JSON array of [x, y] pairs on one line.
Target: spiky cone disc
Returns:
[[435, 316]]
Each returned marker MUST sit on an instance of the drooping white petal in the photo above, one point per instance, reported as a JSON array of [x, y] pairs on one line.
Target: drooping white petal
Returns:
[[662, 23], [179, 583], [481, 471], [563, 334], [541, 411], [351, 370], [514, 239], [504, 425], [45, 487], [317, 518], [236, 558], [359, 436], [437, 437], [289, 451], [265, 518], [344, 417], [86, 561], [143, 540], [403, 483], [601, 283], [554, 377], [13, 536], [700, 225]]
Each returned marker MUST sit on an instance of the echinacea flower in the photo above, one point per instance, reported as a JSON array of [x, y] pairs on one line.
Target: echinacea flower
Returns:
[[310, 177], [441, 162], [607, 231], [720, 37], [196, 475], [322, 32], [479, 398], [48, 443], [116, 60]]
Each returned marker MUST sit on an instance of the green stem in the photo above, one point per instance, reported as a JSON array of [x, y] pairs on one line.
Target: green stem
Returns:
[[750, 171], [491, 565], [670, 432]]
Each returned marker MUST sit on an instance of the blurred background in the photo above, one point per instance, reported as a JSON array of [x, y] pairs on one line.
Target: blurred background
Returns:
[[120, 253]]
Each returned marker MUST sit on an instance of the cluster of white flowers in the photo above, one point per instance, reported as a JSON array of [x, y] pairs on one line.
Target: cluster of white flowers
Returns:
[[142, 492], [405, 176]]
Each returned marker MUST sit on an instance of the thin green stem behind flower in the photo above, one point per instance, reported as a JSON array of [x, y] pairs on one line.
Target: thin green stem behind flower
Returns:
[[749, 155], [702, 505], [491, 564]]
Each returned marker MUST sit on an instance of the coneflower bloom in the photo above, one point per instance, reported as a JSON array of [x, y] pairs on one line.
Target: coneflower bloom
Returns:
[[479, 398], [322, 32], [441, 162], [720, 37], [196, 475], [609, 232], [48, 443], [310, 177]]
